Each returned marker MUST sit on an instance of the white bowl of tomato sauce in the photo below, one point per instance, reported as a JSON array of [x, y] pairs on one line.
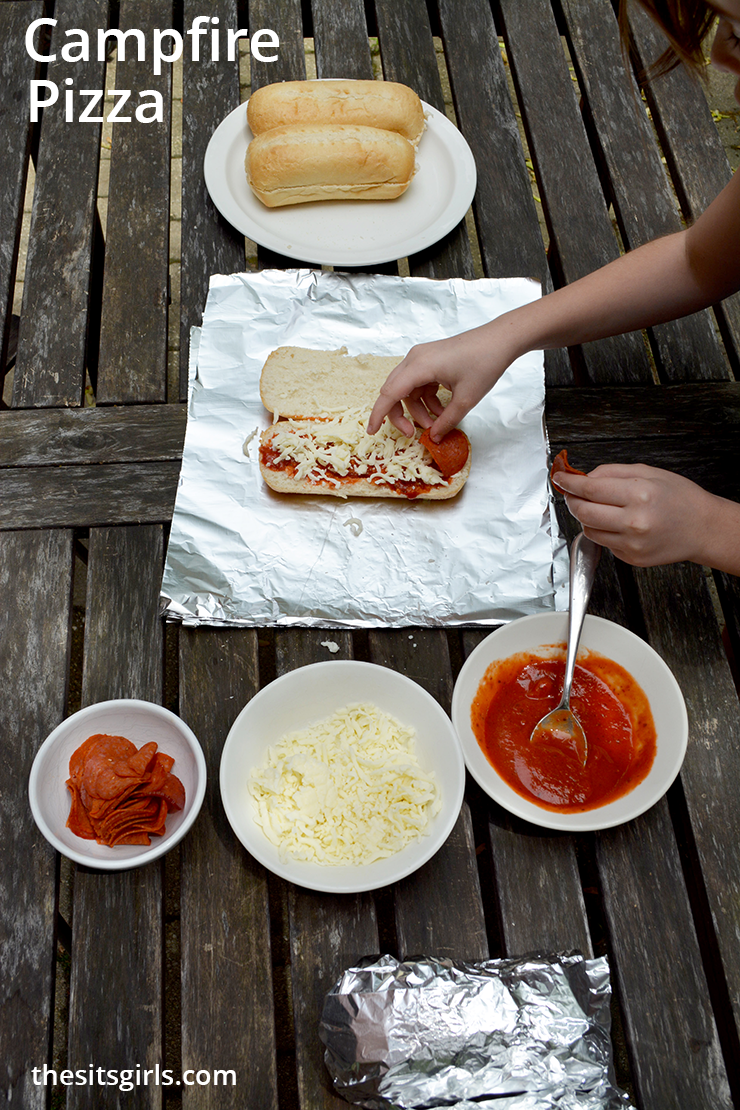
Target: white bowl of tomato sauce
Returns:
[[626, 697]]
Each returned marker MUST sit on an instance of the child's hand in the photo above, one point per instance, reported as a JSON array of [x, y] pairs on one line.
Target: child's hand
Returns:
[[463, 364], [646, 516]]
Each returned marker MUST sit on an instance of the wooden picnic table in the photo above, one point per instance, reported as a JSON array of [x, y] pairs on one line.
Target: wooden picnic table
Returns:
[[205, 960]]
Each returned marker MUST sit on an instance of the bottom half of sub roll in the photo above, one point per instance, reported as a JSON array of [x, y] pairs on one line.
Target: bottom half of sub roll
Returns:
[[297, 163], [302, 456]]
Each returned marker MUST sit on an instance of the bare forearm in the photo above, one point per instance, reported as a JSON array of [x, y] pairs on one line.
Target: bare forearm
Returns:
[[645, 287], [660, 281], [720, 542]]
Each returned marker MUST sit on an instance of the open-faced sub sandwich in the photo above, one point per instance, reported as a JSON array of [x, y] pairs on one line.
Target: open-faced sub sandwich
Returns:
[[318, 442]]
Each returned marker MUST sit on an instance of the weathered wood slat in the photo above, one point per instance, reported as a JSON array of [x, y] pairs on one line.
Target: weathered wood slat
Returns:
[[123, 632], [124, 576], [681, 455], [131, 474], [711, 769], [36, 584], [50, 368], [225, 941], [408, 56], [407, 48], [327, 933], [647, 907], [78, 497], [692, 147], [341, 41], [439, 909], [116, 996], [451, 255], [612, 412], [155, 433], [547, 912], [144, 493], [113, 1016], [133, 337], [575, 209], [657, 967], [210, 245], [687, 349], [728, 586], [17, 70], [291, 61], [509, 247], [65, 437]]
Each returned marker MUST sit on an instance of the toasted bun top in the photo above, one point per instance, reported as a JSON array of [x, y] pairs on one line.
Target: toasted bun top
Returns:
[[297, 381], [385, 104]]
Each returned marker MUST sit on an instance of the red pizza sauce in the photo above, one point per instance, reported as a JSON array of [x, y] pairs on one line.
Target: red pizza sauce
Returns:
[[517, 692]]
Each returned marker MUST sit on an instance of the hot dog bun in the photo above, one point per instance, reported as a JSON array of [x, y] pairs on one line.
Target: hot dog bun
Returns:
[[324, 161], [318, 444], [300, 382], [384, 104]]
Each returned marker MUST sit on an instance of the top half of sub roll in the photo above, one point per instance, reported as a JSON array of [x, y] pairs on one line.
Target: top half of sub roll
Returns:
[[385, 104]]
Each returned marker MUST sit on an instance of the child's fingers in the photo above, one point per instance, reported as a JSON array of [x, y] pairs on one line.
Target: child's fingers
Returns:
[[611, 489], [597, 515], [424, 406], [385, 406]]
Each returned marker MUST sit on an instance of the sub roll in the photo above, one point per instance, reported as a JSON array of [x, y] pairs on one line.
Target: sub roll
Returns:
[[384, 104], [294, 164]]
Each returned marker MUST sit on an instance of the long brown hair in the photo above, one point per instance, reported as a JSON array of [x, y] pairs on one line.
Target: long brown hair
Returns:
[[686, 23]]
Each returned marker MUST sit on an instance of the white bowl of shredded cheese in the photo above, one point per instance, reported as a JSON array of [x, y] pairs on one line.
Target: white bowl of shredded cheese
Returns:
[[342, 776]]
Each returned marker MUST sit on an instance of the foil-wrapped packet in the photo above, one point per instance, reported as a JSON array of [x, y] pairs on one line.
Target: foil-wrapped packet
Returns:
[[506, 1034]]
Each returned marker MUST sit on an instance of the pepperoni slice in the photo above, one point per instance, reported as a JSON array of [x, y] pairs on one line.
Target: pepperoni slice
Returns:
[[78, 820], [451, 453], [560, 465], [121, 794]]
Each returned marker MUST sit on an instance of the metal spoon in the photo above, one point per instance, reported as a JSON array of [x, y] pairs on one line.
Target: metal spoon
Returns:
[[561, 727]]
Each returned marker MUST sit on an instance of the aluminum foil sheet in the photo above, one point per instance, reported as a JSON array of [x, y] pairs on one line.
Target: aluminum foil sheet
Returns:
[[240, 554], [526, 1034]]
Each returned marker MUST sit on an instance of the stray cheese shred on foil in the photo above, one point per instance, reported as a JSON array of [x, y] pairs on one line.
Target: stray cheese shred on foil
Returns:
[[346, 790]]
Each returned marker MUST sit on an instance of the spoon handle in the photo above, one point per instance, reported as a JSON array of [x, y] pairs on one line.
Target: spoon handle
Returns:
[[584, 559]]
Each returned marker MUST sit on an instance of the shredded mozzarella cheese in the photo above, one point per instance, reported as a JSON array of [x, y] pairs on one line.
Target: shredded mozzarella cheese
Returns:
[[340, 442], [247, 441], [346, 790]]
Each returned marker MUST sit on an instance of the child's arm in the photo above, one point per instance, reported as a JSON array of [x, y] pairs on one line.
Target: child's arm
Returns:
[[660, 281], [649, 517]]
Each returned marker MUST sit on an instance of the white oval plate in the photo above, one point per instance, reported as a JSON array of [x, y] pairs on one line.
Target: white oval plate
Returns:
[[615, 642], [306, 695], [347, 233]]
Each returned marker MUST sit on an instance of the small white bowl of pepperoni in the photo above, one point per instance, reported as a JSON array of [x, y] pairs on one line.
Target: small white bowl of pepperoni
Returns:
[[117, 784], [627, 700]]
